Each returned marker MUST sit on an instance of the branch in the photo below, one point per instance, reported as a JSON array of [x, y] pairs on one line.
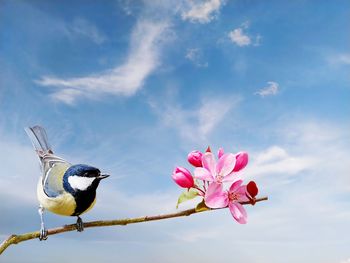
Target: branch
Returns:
[[15, 239]]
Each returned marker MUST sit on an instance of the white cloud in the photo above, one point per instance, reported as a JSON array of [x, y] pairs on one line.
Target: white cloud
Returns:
[[202, 12], [198, 123], [276, 160], [312, 152], [84, 28], [125, 79], [345, 261], [195, 56], [238, 37], [271, 89], [339, 59]]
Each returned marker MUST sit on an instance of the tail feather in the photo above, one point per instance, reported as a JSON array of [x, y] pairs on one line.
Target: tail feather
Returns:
[[38, 136]]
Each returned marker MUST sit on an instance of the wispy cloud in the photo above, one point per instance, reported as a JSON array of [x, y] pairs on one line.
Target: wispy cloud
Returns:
[[85, 28], [202, 12], [271, 89], [126, 6], [126, 79], [195, 56], [198, 123], [339, 59], [79, 29]]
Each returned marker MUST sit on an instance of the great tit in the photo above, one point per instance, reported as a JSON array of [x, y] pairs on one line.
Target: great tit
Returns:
[[63, 188]]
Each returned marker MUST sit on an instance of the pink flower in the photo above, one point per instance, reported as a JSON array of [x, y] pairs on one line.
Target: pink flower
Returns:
[[216, 172], [183, 177], [241, 159], [215, 197], [195, 158]]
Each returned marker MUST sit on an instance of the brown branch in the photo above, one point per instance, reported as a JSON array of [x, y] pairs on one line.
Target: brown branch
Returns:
[[15, 239]]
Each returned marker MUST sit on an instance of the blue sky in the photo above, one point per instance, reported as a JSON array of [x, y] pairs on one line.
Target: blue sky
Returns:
[[133, 86]]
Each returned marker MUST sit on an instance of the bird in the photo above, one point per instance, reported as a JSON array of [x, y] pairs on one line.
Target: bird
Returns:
[[65, 189]]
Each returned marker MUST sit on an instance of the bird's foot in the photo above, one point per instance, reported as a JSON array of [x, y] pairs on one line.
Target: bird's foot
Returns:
[[80, 224], [43, 231], [43, 234]]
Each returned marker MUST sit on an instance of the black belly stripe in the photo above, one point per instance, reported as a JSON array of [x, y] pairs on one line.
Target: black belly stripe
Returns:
[[83, 199]]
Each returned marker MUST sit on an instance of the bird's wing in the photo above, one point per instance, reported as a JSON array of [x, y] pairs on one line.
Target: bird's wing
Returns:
[[54, 170]]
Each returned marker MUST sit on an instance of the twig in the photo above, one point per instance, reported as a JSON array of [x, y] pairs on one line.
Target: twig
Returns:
[[15, 239]]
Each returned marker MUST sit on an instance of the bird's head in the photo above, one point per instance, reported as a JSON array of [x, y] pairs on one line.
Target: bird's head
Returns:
[[81, 177]]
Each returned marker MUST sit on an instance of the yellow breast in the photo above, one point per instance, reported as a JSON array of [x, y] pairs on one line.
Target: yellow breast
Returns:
[[63, 204]]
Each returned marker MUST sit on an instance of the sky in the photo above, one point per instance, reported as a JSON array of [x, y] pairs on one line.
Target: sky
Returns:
[[132, 87]]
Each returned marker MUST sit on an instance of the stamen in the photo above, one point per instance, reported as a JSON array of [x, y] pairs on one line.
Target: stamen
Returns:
[[219, 178], [233, 196]]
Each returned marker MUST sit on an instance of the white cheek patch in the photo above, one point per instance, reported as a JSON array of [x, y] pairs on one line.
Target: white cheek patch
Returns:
[[80, 183]]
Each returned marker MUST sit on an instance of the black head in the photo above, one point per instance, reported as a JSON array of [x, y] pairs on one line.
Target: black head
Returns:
[[81, 177]]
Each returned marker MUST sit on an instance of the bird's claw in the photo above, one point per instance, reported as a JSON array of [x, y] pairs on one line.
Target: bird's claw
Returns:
[[43, 234], [80, 225]]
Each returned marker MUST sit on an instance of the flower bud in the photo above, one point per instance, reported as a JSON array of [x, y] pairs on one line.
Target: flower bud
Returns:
[[252, 189], [195, 158], [183, 177], [241, 161]]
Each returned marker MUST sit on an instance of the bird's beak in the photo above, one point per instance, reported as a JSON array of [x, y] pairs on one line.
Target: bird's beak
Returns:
[[102, 176]]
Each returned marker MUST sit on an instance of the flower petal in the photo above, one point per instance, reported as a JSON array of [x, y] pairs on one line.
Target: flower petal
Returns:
[[214, 188], [231, 177], [215, 197], [241, 161], [238, 212], [209, 163], [235, 186], [226, 164], [242, 193], [220, 152], [203, 174], [252, 189]]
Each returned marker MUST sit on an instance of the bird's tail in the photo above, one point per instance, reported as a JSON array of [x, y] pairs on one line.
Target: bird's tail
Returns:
[[38, 136]]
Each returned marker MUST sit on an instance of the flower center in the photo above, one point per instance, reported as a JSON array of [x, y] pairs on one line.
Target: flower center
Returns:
[[233, 196], [219, 178]]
